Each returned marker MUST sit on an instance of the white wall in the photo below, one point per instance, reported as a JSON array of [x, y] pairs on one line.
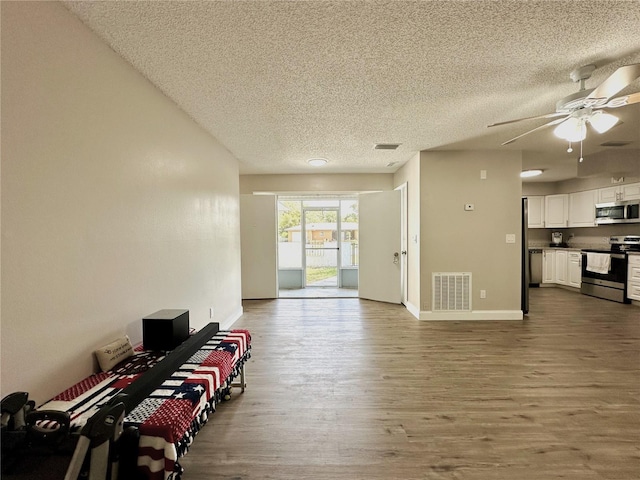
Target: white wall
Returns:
[[115, 204], [327, 183], [455, 240]]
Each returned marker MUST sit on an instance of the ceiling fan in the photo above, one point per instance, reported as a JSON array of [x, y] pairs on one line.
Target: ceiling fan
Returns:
[[586, 106]]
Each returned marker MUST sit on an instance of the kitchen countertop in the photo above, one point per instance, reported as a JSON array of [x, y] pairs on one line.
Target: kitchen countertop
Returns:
[[571, 249], [577, 249], [574, 246]]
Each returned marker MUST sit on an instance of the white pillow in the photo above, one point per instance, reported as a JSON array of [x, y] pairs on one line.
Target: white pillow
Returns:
[[112, 354]]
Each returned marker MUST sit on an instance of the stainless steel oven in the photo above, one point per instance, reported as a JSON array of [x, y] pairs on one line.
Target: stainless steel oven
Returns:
[[608, 279]]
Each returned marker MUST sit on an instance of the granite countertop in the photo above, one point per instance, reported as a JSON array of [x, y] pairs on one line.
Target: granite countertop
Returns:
[[574, 248]]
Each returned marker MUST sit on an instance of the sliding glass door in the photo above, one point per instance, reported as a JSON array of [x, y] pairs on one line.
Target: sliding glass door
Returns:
[[318, 246], [321, 227]]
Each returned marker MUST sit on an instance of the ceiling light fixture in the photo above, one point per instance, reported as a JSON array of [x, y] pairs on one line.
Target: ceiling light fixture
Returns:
[[530, 173], [601, 121], [317, 162], [574, 128]]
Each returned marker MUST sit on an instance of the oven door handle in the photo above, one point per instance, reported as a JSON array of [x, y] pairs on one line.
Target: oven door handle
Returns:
[[620, 256]]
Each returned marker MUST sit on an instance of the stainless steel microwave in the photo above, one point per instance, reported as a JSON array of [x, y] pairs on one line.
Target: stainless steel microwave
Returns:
[[618, 212]]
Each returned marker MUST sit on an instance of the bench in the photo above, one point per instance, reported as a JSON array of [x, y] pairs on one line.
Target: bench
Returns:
[[167, 397]]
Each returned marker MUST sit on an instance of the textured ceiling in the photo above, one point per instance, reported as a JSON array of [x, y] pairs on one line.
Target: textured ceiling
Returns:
[[278, 82]]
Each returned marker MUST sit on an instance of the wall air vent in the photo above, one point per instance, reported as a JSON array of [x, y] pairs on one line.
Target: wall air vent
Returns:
[[451, 292], [386, 146], [614, 144]]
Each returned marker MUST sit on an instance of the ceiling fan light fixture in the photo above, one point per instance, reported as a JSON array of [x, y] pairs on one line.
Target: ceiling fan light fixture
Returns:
[[573, 130], [531, 173], [602, 122], [317, 162]]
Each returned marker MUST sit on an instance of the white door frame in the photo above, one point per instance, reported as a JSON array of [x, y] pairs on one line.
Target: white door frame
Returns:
[[404, 232]]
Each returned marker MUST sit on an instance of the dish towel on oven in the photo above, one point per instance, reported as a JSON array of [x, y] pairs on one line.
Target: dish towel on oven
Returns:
[[598, 262]]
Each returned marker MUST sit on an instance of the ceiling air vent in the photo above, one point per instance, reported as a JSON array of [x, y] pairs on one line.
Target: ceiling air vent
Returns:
[[386, 146], [614, 144]]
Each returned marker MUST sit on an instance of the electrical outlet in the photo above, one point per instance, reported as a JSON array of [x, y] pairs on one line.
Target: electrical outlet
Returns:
[[483, 294]]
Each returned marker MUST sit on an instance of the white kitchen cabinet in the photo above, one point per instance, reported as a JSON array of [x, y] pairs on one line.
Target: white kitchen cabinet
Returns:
[[619, 193], [631, 191], [574, 268], [556, 210], [561, 267], [633, 277], [582, 208], [548, 266], [609, 194], [536, 211]]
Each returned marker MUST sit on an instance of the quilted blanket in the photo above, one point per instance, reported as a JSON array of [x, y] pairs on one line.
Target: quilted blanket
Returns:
[[170, 417]]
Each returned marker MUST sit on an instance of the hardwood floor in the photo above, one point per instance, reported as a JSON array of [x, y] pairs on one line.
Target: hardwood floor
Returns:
[[353, 389]]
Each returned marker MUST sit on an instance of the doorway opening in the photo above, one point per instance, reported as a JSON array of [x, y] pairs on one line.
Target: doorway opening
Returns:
[[318, 240]]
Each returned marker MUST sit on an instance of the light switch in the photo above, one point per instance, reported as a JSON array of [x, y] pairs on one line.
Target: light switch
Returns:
[[511, 238], [483, 174]]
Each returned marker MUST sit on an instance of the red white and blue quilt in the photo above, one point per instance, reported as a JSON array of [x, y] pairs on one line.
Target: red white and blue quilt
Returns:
[[170, 417]]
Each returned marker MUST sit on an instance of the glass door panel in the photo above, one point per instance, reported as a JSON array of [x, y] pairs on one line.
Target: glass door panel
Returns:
[[321, 226]]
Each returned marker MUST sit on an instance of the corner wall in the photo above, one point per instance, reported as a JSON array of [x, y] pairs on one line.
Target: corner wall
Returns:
[[115, 204], [455, 240]]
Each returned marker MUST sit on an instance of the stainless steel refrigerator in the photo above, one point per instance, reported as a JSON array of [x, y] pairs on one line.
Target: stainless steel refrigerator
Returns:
[[524, 256]]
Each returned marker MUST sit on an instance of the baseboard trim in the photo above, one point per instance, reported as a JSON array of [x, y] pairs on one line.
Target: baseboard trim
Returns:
[[473, 315], [413, 310], [231, 319]]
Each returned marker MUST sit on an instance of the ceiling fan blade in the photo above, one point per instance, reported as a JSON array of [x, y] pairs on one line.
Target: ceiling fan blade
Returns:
[[616, 81], [546, 115], [553, 122], [623, 101]]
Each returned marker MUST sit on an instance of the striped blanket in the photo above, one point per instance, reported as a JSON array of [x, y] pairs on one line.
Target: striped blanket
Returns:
[[171, 416]]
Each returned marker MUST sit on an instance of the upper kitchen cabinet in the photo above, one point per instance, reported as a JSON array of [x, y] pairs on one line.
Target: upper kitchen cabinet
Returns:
[[536, 211], [556, 210], [619, 193], [582, 208]]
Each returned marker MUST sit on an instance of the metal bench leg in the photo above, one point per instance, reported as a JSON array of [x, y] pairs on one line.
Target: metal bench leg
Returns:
[[243, 383]]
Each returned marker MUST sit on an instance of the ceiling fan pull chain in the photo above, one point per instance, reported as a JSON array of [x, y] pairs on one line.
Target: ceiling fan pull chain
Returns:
[[581, 159], [569, 150]]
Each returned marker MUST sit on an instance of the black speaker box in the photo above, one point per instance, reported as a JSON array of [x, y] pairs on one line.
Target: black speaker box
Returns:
[[165, 329]]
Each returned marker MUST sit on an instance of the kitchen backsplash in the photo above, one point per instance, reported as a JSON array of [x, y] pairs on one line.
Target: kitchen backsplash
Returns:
[[595, 237]]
